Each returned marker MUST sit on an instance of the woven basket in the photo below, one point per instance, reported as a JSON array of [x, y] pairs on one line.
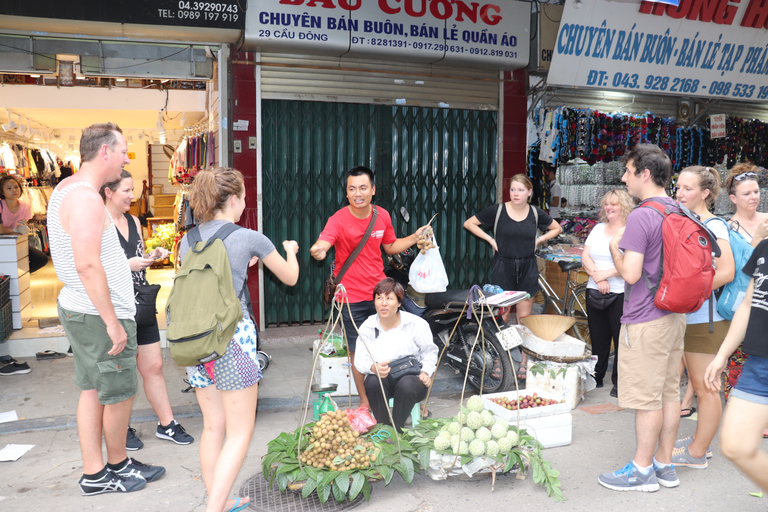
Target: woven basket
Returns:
[[548, 327]]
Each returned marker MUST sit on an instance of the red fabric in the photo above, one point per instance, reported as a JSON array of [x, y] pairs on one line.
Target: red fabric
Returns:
[[344, 231]]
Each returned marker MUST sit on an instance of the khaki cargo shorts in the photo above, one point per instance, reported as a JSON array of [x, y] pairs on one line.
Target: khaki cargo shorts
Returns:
[[649, 362], [113, 377]]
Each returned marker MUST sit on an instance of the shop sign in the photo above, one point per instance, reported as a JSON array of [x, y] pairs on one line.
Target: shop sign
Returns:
[[489, 33], [715, 49], [717, 126], [186, 13]]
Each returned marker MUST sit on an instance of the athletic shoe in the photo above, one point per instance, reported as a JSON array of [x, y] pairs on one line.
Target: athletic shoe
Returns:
[[134, 468], [132, 441], [111, 482], [681, 443], [666, 476], [174, 432], [629, 478], [614, 392], [682, 457], [15, 369]]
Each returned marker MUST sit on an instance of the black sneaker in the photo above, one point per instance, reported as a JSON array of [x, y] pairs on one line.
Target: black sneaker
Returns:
[[134, 468], [15, 369], [174, 432], [111, 482], [132, 441], [615, 392]]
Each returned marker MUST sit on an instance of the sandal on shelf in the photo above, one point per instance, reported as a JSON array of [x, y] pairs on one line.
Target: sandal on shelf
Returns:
[[687, 412]]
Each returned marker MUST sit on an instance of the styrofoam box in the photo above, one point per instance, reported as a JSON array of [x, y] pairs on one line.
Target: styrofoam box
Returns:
[[550, 431], [525, 414], [568, 386], [563, 346], [336, 370]]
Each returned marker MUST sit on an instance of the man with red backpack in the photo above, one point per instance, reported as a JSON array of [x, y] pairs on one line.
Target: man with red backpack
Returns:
[[651, 338]]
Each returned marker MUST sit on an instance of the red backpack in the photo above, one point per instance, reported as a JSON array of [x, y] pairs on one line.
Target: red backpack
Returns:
[[687, 265]]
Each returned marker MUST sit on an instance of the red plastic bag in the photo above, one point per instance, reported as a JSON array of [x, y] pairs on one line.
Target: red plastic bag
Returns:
[[361, 418]]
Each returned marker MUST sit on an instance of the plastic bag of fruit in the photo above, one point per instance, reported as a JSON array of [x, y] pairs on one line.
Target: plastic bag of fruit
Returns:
[[361, 419]]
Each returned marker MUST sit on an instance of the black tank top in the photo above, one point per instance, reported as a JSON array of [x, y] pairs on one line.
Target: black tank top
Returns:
[[133, 247]]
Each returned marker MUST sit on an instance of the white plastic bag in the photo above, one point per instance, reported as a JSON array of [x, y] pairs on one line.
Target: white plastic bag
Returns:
[[427, 274]]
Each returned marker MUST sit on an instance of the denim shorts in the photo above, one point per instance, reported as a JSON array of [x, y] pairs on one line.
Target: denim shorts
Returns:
[[113, 377], [753, 381], [238, 368]]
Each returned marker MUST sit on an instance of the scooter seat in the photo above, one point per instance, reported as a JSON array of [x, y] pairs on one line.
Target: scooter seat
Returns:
[[439, 300]]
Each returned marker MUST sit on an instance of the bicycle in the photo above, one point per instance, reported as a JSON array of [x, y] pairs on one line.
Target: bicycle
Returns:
[[574, 304]]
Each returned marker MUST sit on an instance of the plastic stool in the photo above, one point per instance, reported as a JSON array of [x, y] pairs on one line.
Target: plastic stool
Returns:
[[415, 412]]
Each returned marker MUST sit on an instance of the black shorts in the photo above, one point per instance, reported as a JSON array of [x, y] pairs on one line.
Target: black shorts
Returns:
[[517, 274], [148, 335]]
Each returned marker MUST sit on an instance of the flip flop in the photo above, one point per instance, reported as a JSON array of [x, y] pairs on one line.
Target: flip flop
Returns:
[[690, 412], [237, 507], [49, 354]]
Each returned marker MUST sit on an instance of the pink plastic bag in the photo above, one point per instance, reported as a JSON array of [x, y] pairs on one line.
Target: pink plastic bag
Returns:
[[360, 419]]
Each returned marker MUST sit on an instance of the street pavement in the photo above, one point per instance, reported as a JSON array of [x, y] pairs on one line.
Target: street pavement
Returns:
[[603, 440]]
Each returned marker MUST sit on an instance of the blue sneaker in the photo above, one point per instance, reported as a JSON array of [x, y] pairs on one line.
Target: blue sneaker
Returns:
[[666, 475], [629, 478], [682, 443]]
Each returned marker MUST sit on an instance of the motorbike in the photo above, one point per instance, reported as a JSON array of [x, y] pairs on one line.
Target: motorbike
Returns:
[[489, 364]]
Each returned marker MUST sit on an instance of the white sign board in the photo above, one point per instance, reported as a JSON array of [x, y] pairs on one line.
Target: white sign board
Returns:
[[710, 49], [717, 126], [486, 34]]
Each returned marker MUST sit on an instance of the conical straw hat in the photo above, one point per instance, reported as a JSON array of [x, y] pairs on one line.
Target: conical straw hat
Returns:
[[548, 327]]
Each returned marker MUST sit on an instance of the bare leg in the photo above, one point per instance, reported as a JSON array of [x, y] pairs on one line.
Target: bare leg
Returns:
[[668, 433], [239, 412], [741, 438], [648, 427], [212, 438], [150, 363], [93, 419], [359, 379], [524, 309], [687, 403], [710, 406], [90, 415]]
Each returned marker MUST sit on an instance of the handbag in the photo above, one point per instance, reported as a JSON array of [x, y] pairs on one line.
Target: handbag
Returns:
[[329, 288], [600, 301], [146, 298], [402, 366]]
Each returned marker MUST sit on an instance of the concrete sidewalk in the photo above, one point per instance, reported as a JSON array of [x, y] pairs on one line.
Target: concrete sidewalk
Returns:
[[603, 440]]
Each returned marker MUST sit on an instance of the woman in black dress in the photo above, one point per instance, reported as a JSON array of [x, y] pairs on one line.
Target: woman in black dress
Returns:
[[515, 226]]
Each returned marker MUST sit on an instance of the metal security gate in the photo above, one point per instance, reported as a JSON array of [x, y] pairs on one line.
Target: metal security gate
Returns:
[[429, 160]]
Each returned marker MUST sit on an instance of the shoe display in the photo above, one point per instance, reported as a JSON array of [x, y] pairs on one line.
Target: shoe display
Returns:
[[666, 476], [629, 478], [614, 392], [682, 457], [134, 468], [111, 482], [174, 432], [680, 443], [132, 441], [15, 369]]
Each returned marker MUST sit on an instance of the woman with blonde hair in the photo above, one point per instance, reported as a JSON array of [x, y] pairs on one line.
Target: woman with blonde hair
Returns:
[[605, 289], [515, 225], [697, 188], [226, 388]]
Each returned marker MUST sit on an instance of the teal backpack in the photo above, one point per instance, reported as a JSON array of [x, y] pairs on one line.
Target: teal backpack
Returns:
[[734, 292], [203, 309]]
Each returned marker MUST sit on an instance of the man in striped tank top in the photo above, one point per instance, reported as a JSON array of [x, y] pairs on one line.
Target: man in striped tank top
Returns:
[[96, 308]]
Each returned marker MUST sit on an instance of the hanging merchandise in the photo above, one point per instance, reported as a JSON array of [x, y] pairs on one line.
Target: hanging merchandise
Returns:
[[195, 152]]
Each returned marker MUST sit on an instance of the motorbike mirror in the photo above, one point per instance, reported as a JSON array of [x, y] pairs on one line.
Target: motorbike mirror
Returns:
[[404, 213]]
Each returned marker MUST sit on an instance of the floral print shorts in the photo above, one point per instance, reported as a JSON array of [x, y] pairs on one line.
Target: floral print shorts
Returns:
[[238, 368]]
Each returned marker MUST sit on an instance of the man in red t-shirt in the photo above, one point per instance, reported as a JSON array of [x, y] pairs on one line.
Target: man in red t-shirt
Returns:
[[344, 231]]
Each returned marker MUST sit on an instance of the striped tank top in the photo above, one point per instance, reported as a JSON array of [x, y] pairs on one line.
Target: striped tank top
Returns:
[[73, 296]]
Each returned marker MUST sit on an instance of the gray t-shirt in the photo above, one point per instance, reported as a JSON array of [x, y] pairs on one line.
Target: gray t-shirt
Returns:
[[242, 245]]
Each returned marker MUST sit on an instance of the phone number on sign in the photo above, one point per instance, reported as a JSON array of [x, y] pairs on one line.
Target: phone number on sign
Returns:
[[211, 11], [689, 85]]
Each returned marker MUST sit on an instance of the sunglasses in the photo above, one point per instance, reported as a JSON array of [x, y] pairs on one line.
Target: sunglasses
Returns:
[[743, 176]]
